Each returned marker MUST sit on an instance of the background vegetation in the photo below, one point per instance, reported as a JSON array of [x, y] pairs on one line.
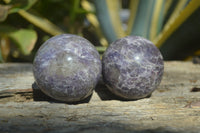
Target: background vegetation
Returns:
[[173, 25]]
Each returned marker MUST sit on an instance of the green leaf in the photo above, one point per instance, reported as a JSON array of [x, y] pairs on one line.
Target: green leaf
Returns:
[[180, 36], [133, 10], [3, 12], [94, 22], [113, 10], [74, 9], [176, 7], [41, 22], [157, 19], [143, 17], [21, 4], [100, 48], [170, 9], [105, 20], [25, 39]]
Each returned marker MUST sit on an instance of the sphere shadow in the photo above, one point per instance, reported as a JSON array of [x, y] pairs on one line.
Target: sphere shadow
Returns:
[[105, 94], [39, 96], [101, 89]]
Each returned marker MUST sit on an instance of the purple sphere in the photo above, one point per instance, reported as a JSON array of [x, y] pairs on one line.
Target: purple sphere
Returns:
[[132, 67], [67, 68]]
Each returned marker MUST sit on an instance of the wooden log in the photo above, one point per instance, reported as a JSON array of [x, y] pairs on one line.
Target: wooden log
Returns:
[[173, 107]]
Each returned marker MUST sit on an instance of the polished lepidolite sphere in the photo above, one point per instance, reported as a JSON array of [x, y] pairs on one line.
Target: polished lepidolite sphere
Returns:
[[67, 68], [132, 67]]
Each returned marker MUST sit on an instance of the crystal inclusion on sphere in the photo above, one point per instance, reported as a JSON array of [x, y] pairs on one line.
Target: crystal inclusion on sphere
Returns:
[[67, 68], [132, 67]]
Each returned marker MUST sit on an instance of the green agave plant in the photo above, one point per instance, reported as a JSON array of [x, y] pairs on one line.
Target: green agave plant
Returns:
[[173, 25]]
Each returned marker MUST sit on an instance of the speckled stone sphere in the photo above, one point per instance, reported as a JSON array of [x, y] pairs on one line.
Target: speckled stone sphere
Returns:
[[67, 68], [132, 67]]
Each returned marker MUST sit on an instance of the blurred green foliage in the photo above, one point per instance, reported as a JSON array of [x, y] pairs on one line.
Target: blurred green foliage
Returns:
[[25, 22], [173, 25]]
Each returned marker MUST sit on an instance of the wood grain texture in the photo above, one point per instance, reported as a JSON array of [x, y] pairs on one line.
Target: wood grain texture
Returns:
[[172, 108]]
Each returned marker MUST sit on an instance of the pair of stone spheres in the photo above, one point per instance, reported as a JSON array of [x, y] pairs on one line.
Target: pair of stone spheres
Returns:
[[67, 67]]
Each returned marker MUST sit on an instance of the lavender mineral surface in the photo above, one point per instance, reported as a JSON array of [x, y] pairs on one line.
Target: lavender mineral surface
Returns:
[[67, 68], [132, 67]]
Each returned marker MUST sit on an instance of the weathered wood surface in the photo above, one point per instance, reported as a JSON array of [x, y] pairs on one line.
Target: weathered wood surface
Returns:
[[174, 107]]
